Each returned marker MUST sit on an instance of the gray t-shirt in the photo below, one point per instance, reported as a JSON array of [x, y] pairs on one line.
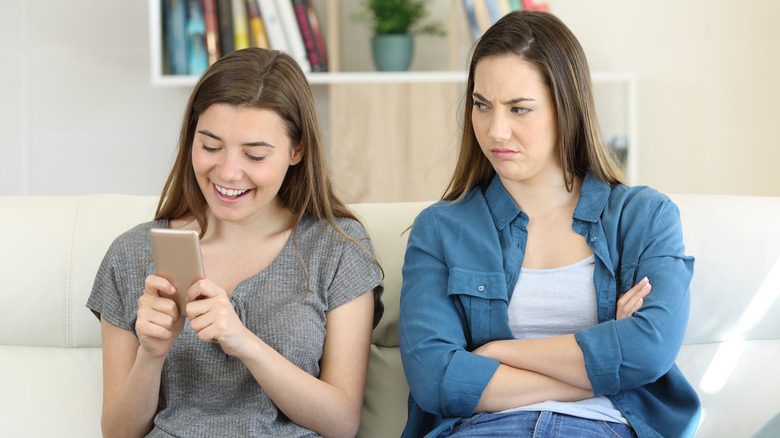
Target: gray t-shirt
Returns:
[[205, 392]]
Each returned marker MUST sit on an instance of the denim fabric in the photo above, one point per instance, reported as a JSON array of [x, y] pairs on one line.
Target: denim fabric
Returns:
[[462, 261], [530, 424]]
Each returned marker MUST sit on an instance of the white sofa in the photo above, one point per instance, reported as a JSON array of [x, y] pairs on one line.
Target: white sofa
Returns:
[[50, 360]]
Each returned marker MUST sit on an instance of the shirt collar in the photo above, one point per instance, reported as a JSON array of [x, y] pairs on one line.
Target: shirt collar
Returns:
[[503, 208], [593, 198]]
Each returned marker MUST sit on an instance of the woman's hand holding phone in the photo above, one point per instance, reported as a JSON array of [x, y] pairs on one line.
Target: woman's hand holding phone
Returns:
[[213, 317], [158, 323]]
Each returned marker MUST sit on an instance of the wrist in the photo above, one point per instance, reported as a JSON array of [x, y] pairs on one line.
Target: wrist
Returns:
[[148, 359]]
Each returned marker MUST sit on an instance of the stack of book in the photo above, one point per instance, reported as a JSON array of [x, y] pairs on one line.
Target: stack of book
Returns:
[[484, 13], [198, 32]]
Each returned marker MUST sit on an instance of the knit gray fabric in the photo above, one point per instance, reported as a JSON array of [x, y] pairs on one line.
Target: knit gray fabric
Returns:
[[206, 393]]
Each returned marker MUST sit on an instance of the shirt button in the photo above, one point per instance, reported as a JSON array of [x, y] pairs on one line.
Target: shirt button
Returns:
[[481, 288], [594, 238]]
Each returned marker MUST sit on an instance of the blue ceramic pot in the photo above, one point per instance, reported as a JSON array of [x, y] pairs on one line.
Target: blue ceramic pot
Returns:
[[392, 52]]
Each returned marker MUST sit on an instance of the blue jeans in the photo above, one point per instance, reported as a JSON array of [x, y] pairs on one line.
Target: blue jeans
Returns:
[[534, 424]]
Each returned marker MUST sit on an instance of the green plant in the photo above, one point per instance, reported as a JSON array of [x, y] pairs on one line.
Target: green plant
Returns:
[[398, 17]]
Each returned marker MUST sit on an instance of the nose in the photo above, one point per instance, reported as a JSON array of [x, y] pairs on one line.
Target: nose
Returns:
[[499, 130], [229, 167]]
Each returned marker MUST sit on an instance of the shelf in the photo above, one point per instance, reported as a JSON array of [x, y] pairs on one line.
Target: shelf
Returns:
[[396, 99], [337, 78]]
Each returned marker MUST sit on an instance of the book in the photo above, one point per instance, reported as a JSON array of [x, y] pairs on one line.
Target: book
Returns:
[[225, 16], [468, 5], [211, 22], [273, 25], [240, 25], [484, 13], [482, 16], [317, 60], [504, 7], [175, 37], [493, 11], [294, 38], [257, 35], [197, 56], [317, 30]]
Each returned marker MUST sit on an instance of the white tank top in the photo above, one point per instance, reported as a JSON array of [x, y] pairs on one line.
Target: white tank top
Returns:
[[554, 302]]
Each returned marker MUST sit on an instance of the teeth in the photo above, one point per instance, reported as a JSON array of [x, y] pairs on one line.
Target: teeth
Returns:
[[230, 192]]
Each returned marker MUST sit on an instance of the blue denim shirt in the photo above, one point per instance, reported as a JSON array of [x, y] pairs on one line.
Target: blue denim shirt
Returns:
[[462, 262]]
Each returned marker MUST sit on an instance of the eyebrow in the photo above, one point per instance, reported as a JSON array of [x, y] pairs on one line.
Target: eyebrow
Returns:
[[251, 143], [508, 102]]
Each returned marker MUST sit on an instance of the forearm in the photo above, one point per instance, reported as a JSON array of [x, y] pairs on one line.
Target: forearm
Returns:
[[130, 411], [308, 401], [559, 357], [512, 387]]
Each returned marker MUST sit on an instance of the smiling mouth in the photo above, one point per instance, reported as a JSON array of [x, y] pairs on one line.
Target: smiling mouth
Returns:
[[230, 193]]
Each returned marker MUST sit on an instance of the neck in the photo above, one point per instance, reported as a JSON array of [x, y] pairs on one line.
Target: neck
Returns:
[[269, 222], [543, 196]]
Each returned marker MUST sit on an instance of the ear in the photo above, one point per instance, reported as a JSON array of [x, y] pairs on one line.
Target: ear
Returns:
[[296, 154]]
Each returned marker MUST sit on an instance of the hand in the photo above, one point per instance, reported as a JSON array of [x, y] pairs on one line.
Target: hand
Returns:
[[629, 302], [158, 323], [213, 317]]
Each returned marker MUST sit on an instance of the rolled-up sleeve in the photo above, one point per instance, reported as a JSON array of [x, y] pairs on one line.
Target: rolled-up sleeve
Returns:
[[631, 352], [444, 378]]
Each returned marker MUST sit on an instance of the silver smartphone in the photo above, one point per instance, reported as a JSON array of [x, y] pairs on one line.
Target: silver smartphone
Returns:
[[177, 258]]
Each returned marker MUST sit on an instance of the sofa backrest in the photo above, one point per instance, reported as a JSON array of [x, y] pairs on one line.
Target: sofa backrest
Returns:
[[52, 247], [732, 346], [49, 342]]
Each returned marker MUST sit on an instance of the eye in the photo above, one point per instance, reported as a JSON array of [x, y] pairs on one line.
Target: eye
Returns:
[[521, 110], [255, 157], [480, 106], [209, 148]]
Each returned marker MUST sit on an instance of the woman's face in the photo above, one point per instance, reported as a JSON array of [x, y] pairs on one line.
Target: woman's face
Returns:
[[514, 120], [240, 157]]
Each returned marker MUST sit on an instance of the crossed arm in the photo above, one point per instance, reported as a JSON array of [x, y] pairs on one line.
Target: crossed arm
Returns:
[[536, 370]]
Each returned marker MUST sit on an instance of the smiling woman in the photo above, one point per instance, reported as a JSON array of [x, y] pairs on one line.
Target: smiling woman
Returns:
[[279, 330], [240, 157]]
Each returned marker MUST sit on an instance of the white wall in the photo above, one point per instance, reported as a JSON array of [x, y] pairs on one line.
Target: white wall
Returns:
[[78, 113]]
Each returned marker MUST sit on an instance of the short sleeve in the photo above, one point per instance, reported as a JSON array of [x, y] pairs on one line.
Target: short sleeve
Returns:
[[119, 281], [357, 270]]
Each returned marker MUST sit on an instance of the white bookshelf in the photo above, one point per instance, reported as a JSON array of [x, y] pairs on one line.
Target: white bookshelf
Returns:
[[615, 92]]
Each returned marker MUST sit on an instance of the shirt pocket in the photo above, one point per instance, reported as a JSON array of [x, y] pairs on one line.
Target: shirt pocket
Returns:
[[482, 296]]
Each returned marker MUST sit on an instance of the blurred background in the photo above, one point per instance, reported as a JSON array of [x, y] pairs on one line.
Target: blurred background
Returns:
[[80, 114]]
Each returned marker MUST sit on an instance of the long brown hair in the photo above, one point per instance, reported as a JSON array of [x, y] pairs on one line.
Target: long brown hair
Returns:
[[543, 40], [267, 79]]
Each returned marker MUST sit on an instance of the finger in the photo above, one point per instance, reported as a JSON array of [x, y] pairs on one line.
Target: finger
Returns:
[[159, 286], [157, 324], [203, 289], [156, 303], [635, 291], [636, 301]]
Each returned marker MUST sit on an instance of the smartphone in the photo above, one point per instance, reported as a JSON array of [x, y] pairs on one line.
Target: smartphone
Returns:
[[177, 258]]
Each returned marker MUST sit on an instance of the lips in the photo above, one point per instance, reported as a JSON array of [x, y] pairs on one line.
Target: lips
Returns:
[[229, 194], [502, 153]]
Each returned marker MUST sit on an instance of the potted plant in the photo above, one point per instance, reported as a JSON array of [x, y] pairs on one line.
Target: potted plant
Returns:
[[394, 24]]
